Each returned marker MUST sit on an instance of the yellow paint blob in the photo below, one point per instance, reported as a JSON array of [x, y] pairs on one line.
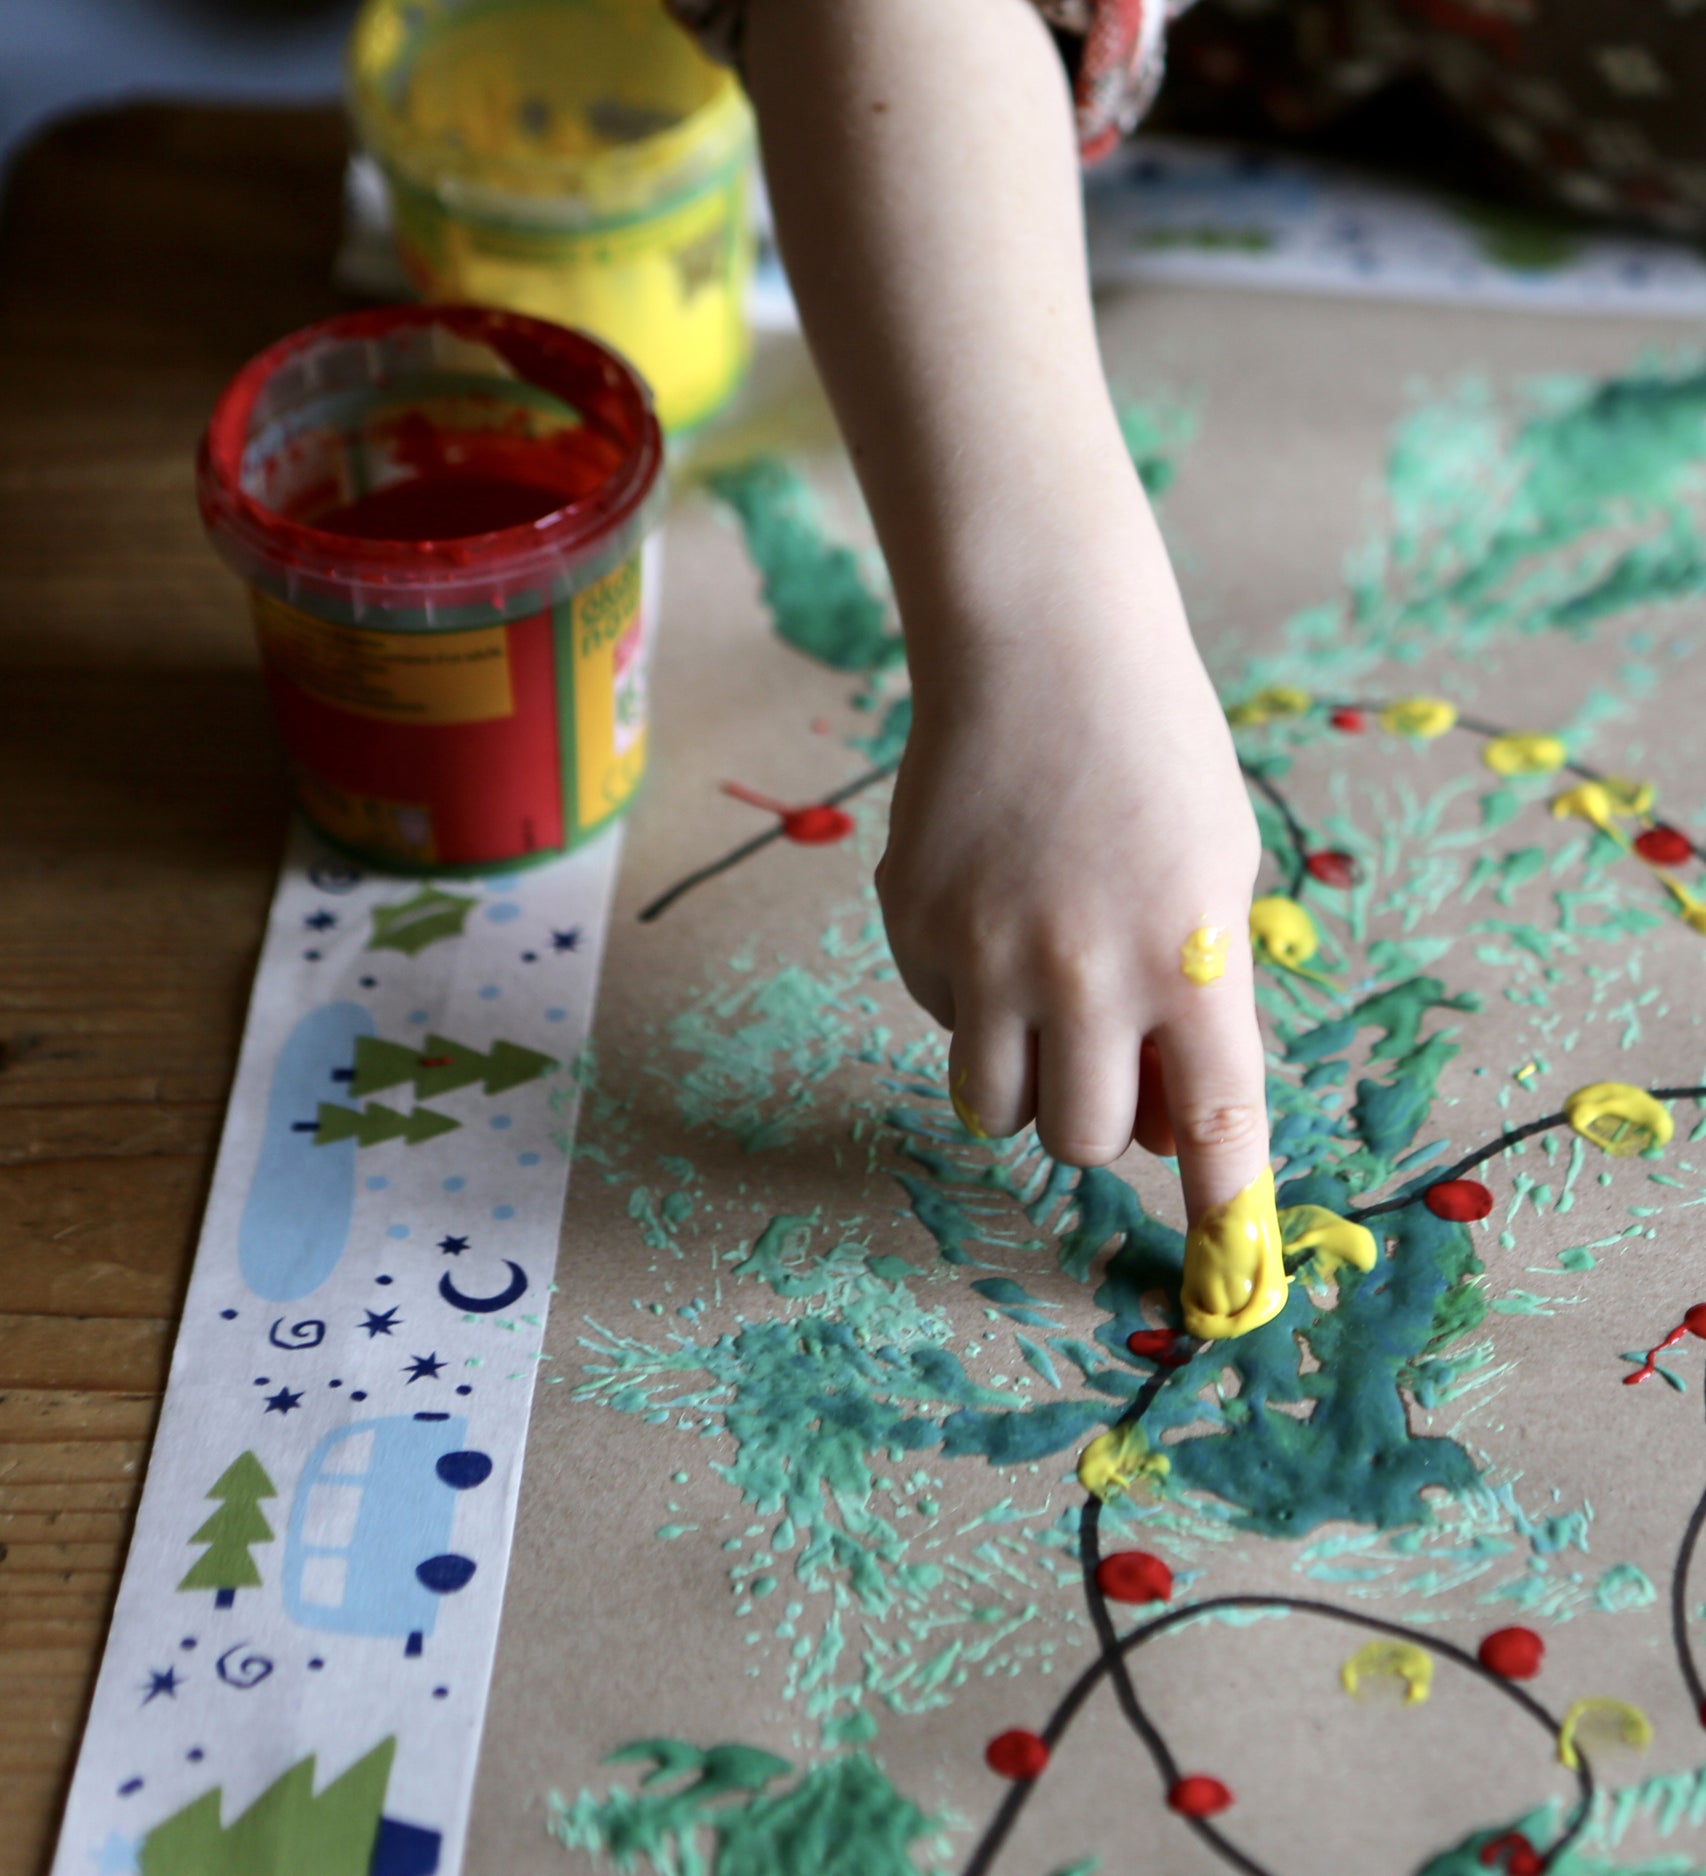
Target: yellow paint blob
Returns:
[[1692, 910], [1117, 1460], [1202, 957], [1628, 796], [966, 1114], [1403, 1661], [1234, 1265], [1329, 1241], [1285, 934], [1277, 700], [1527, 753], [1592, 802], [1619, 1119], [1597, 1720], [1421, 717]]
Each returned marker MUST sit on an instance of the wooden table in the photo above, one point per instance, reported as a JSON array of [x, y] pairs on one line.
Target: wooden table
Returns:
[[144, 254]]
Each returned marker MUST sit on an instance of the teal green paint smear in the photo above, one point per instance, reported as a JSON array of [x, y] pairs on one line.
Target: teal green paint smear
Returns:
[[732, 1815], [820, 599], [1665, 1804]]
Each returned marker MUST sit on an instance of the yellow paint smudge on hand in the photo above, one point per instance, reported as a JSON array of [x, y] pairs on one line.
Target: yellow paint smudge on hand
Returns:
[[1603, 1721], [1403, 1661], [1202, 957], [964, 1112], [1619, 1119], [1331, 1242], [1525, 753], [1421, 717], [1234, 1265], [1276, 700], [1117, 1460]]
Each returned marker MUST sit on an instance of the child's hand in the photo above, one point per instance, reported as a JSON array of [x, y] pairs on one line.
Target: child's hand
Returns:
[[1068, 815]]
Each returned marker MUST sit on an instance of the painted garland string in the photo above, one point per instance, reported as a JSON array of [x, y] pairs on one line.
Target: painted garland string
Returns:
[[1196, 1796]]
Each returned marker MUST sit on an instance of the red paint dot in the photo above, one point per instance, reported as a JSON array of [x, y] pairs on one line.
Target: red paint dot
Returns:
[[1161, 1346], [1333, 869], [1352, 722], [1514, 1854], [1694, 1319], [817, 826], [1198, 1795], [1134, 1576], [1016, 1754], [1514, 1654], [1664, 846], [1461, 1201]]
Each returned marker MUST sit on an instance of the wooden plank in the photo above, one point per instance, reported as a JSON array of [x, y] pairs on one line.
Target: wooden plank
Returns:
[[94, 1352], [60, 1414]]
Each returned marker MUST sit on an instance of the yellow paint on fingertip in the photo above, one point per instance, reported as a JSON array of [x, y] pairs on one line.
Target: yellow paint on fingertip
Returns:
[[1276, 700], [1235, 1265], [1421, 717], [1117, 1460], [964, 1112], [1604, 1722], [1525, 753], [1619, 1119], [1331, 1242], [1202, 957], [1388, 1660]]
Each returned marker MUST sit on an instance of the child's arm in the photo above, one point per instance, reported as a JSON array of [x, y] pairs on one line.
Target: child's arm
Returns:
[[1069, 810]]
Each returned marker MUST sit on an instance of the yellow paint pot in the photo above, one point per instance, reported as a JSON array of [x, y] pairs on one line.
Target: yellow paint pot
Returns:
[[578, 160]]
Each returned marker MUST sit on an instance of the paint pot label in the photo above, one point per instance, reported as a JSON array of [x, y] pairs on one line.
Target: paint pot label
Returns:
[[612, 653], [465, 748], [399, 677]]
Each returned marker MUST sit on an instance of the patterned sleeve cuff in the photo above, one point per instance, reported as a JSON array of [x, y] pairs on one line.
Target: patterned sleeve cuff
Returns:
[[1118, 75]]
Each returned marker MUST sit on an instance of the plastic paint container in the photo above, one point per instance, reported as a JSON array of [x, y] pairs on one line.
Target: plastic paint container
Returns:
[[442, 515], [575, 159]]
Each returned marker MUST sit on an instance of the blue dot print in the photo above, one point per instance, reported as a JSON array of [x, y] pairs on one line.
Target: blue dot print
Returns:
[[503, 1211], [378, 1183], [455, 1183], [503, 914], [527, 1159], [555, 1016], [500, 1122], [488, 991], [397, 1231]]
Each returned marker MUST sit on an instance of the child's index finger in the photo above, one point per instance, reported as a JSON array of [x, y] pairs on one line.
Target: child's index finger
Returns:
[[1212, 1070]]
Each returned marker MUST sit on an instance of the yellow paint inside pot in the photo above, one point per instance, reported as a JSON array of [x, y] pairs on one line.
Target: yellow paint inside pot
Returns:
[[579, 160]]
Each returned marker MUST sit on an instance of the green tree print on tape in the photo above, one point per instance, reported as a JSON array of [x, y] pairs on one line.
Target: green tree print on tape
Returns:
[[287, 1831], [226, 1565]]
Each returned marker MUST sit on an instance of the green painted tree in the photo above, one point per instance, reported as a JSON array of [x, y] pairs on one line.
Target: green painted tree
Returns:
[[376, 1123], [287, 1831], [380, 1064], [440, 1066], [226, 1566]]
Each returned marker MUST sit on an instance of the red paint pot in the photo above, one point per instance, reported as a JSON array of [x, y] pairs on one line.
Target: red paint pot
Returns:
[[441, 515], [1664, 846], [1017, 1754], [1461, 1201]]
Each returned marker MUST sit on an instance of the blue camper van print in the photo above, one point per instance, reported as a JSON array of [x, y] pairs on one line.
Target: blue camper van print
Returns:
[[367, 1549]]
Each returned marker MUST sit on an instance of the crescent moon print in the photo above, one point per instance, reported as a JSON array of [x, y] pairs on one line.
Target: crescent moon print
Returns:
[[512, 1292]]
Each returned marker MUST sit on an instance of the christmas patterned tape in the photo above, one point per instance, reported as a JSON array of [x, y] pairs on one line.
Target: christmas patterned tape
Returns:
[[296, 1676]]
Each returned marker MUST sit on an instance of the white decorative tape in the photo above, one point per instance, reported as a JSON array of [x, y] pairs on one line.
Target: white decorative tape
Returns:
[[296, 1677]]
